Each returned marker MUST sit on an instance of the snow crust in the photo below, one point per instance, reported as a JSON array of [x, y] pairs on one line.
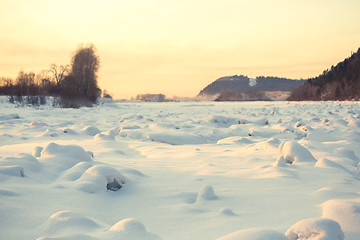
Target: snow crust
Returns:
[[130, 170]]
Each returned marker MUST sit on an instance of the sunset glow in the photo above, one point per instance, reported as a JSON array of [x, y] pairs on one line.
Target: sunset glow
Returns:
[[178, 47]]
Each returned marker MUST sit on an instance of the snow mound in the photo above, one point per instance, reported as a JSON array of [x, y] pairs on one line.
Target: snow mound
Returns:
[[226, 212], [354, 123], [134, 172], [24, 160], [91, 154], [113, 131], [254, 234], [37, 151], [206, 193], [131, 127], [345, 212], [48, 133], [104, 137], [176, 138], [325, 163], [161, 126], [69, 131], [262, 121], [262, 132], [130, 228], [234, 140], [349, 154], [75, 172], [69, 222], [273, 142], [98, 178], [315, 229], [90, 130], [295, 153], [270, 144], [128, 225], [132, 133], [64, 156], [11, 116], [15, 170]]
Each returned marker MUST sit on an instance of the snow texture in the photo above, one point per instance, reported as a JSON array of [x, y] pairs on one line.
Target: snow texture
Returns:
[[181, 170]]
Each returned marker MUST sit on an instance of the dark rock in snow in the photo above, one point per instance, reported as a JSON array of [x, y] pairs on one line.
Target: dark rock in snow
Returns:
[[113, 186]]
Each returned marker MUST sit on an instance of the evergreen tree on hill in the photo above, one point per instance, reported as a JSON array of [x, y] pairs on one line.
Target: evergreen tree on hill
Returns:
[[341, 82]]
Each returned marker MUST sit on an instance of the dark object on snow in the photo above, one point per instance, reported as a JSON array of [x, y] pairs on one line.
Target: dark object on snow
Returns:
[[113, 186]]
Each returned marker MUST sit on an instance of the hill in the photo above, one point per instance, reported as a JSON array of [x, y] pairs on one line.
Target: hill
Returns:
[[341, 82], [240, 85]]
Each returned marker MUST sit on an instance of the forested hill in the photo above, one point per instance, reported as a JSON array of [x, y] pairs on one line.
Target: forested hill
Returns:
[[341, 82], [242, 84]]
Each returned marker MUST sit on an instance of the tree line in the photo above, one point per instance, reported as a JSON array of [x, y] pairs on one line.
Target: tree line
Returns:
[[151, 97], [75, 84], [242, 96], [340, 82]]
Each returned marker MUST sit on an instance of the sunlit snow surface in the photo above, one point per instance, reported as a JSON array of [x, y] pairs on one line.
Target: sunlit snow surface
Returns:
[[185, 170]]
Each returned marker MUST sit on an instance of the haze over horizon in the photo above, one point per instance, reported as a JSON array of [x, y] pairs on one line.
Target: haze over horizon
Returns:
[[177, 48]]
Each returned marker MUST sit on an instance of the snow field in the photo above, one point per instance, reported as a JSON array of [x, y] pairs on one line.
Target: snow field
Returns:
[[269, 170]]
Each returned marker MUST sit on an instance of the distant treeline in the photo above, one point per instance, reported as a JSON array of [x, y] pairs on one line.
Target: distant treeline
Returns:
[[151, 97], [341, 82], [244, 96], [75, 84]]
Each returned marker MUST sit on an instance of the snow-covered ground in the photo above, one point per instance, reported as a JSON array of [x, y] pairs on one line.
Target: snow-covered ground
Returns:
[[186, 170]]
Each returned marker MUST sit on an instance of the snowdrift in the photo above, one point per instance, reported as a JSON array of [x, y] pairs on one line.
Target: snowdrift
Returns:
[[131, 170]]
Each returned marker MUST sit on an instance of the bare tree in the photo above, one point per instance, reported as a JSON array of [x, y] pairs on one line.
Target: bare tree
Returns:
[[59, 73], [25, 83], [6, 86], [4, 81], [44, 83]]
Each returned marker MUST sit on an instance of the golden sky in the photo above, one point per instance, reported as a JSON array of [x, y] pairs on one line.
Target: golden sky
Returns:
[[177, 47]]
